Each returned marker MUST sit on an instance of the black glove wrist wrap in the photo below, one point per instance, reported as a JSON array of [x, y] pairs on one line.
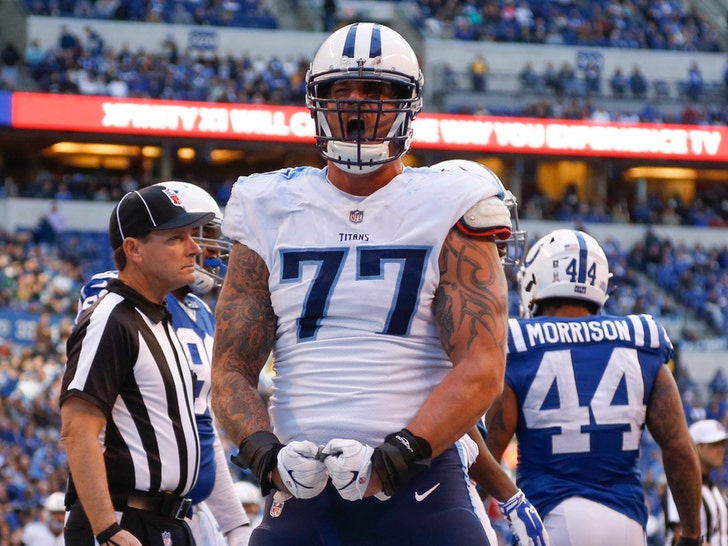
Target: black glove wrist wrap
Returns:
[[259, 453], [400, 458], [684, 541]]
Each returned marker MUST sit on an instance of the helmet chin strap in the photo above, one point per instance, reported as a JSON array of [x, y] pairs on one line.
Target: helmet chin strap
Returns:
[[203, 283], [346, 155], [361, 158]]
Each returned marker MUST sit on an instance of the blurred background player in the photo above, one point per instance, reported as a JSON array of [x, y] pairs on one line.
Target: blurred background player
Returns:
[[710, 438], [216, 514], [250, 497], [492, 480], [48, 531], [580, 388], [381, 291]]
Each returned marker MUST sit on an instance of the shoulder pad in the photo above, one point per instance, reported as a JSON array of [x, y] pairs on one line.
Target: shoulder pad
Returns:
[[488, 217]]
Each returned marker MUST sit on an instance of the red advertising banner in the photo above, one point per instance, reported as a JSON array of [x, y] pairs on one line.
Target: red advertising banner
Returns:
[[432, 131]]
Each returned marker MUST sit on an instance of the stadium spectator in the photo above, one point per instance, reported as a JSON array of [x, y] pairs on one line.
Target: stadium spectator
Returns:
[[10, 58], [48, 530], [50, 226], [593, 79], [637, 83], [478, 69], [529, 79], [618, 83], [694, 89]]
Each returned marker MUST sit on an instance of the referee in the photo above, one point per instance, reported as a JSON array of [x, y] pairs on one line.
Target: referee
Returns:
[[128, 423], [710, 439]]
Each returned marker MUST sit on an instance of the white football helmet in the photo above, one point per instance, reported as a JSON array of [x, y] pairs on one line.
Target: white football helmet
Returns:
[[347, 131], [515, 245], [55, 502], [212, 262], [565, 263]]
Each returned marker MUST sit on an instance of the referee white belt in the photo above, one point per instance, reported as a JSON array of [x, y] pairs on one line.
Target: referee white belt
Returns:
[[162, 504]]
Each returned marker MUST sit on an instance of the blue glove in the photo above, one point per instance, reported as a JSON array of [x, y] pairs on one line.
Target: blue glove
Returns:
[[524, 521]]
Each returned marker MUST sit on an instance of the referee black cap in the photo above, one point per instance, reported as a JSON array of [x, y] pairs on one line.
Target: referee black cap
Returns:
[[153, 208]]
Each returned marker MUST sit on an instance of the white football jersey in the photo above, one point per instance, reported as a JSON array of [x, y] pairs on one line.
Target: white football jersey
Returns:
[[352, 281]]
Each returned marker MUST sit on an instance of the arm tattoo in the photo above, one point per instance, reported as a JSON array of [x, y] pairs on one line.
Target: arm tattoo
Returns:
[[499, 422], [472, 297], [244, 338]]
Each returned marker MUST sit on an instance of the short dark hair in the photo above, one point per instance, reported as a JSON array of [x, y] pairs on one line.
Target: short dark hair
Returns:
[[592, 307]]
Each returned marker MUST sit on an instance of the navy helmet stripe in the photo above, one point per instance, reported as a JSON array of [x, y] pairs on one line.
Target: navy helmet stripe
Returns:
[[583, 252], [375, 49], [350, 41]]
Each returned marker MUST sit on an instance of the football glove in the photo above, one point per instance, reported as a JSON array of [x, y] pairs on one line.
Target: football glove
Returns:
[[400, 458], [524, 521], [258, 452], [349, 464], [301, 472]]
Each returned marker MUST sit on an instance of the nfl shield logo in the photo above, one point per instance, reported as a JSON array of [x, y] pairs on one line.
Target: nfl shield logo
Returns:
[[173, 197], [167, 538], [356, 216]]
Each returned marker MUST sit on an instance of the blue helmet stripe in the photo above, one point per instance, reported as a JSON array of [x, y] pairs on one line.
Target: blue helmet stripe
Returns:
[[350, 41], [375, 48], [583, 252]]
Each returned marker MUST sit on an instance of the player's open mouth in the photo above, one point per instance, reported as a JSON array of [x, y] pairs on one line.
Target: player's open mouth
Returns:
[[355, 128]]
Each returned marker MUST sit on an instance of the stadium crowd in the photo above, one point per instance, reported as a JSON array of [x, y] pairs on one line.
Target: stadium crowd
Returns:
[[666, 25], [632, 24]]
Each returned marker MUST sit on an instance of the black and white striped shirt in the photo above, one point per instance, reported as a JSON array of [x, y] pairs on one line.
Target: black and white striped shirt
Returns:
[[124, 357], [713, 515]]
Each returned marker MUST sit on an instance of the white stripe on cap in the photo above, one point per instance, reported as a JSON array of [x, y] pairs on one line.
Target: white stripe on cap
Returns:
[[154, 224], [118, 220]]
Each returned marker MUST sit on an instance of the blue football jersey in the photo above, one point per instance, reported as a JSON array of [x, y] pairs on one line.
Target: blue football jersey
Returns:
[[194, 324], [582, 386]]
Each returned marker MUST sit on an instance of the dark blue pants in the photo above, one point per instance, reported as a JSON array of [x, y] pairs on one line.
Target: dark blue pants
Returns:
[[444, 517]]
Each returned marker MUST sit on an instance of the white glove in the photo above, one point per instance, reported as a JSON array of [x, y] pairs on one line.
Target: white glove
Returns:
[[524, 521], [301, 472], [240, 536], [350, 467]]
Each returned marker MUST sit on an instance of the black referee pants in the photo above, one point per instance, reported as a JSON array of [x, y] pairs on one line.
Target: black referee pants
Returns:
[[149, 528]]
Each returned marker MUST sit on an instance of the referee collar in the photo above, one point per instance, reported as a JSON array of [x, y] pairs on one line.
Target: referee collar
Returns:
[[155, 311]]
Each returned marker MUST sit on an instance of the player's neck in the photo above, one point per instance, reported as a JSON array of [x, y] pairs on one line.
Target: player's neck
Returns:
[[567, 310], [364, 184]]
